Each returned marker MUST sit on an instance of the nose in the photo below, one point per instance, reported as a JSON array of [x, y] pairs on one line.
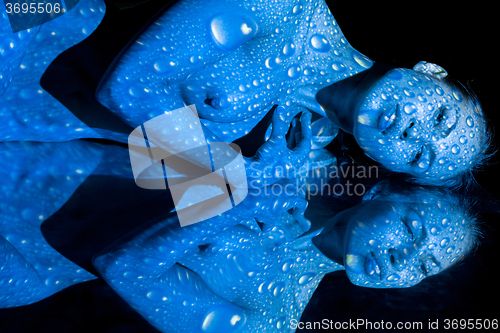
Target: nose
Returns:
[[413, 131], [400, 258]]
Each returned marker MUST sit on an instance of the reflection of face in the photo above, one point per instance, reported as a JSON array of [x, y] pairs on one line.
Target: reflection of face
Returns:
[[392, 243], [414, 123]]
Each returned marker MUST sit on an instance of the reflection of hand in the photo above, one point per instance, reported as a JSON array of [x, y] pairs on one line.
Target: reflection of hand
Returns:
[[268, 204], [274, 160]]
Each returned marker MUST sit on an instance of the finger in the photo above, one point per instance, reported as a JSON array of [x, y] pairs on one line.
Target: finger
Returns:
[[280, 124], [304, 145], [298, 214], [294, 128]]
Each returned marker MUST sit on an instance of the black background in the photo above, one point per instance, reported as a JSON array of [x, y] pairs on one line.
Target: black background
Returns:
[[462, 39]]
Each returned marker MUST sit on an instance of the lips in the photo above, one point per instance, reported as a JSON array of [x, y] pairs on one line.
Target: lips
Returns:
[[372, 267], [387, 120]]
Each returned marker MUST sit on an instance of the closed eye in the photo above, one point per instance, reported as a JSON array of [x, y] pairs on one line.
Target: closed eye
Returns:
[[414, 225], [445, 120]]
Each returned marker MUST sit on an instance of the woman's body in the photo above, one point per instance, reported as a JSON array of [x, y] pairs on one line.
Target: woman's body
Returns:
[[179, 60]]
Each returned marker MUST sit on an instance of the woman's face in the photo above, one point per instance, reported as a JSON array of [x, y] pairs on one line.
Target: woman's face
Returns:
[[393, 243], [414, 123]]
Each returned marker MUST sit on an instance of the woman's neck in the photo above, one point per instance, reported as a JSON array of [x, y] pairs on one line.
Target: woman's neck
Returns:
[[342, 99], [312, 258]]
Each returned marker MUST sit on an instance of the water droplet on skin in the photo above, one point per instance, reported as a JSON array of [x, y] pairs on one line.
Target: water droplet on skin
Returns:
[[287, 265], [445, 242], [27, 93], [439, 90], [450, 249], [463, 139], [230, 30], [457, 96], [410, 108], [224, 318], [164, 65], [297, 9], [288, 49], [434, 231], [338, 67], [470, 121], [138, 91], [409, 93], [278, 289], [306, 278], [293, 71], [319, 43], [393, 277], [455, 149], [272, 62], [362, 60], [422, 98]]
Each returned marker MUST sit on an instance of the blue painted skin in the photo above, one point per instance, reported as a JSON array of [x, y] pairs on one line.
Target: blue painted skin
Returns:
[[281, 53], [415, 123], [37, 179], [27, 112], [225, 274], [239, 61]]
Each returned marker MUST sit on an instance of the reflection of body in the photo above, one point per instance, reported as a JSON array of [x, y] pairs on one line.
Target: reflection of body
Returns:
[[242, 279], [37, 179]]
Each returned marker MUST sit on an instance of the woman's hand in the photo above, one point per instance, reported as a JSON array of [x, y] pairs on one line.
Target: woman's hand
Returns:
[[270, 203], [274, 160]]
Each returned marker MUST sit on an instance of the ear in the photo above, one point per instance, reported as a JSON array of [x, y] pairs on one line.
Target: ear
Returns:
[[430, 69]]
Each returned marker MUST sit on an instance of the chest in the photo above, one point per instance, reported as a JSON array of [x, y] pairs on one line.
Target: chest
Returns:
[[301, 47], [242, 269]]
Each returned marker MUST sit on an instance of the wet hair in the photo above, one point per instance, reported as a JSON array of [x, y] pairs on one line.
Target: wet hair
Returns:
[[486, 149]]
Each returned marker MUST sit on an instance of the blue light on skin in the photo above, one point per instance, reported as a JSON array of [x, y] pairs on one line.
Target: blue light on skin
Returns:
[[395, 241], [414, 123], [241, 59], [236, 277]]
